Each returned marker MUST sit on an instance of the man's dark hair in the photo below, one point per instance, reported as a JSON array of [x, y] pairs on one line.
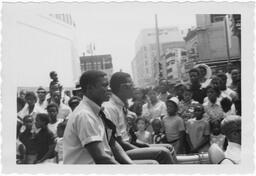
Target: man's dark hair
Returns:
[[43, 117], [52, 105], [222, 75], [226, 104], [194, 70], [90, 77], [51, 73], [30, 94], [214, 88], [117, 79]]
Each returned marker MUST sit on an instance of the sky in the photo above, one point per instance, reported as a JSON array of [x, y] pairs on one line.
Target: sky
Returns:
[[114, 27]]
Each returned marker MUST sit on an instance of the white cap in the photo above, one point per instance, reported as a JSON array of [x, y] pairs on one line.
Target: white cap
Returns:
[[174, 99]]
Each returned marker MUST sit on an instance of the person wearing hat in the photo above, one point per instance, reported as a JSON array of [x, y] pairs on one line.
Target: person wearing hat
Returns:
[[205, 74], [74, 102], [174, 125], [231, 128], [41, 102]]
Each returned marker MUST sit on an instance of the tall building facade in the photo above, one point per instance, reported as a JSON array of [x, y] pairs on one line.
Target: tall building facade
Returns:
[[145, 63], [38, 43], [97, 62], [207, 43]]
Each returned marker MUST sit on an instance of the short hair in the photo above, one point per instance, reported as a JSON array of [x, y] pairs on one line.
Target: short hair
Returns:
[[73, 100], [194, 70], [41, 88], [222, 75], [52, 72], [90, 77], [226, 102], [30, 94], [43, 117], [214, 122], [230, 124], [117, 79], [217, 90], [143, 119], [52, 105]]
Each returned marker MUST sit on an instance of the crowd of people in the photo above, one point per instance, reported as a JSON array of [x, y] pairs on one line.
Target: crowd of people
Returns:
[[111, 122]]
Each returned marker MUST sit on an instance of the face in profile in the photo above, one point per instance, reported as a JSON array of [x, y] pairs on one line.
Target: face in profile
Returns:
[[101, 90], [194, 77]]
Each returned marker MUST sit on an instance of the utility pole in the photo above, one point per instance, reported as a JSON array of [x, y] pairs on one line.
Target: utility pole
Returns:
[[157, 49], [227, 39]]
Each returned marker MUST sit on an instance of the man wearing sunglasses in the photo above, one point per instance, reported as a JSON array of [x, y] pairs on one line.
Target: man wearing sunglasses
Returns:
[[41, 102], [122, 89]]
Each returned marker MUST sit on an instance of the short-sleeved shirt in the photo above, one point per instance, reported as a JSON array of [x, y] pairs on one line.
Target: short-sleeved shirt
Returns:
[[53, 127], [115, 113], [218, 139], [154, 111], [197, 129], [84, 127], [173, 126], [43, 139], [213, 111], [64, 111]]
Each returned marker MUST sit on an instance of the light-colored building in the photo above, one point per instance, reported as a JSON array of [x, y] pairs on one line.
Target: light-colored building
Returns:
[[207, 43], [35, 43], [97, 62], [175, 65], [145, 63]]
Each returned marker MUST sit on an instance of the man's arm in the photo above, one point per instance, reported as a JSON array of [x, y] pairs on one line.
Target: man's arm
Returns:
[[124, 144], [98, 154], [119, 153], [48, 154]]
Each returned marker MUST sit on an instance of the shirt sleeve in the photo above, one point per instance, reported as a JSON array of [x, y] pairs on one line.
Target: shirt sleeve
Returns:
[[87, 129]]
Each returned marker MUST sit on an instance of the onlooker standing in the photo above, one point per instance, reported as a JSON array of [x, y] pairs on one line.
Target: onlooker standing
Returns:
[[141, 133], [154, 108], [54, 77], [227, 107], [174, 125], [42, 102], [44, 139], [205, 74], [27, 138], [212, 108], [59, 142], [231, 128], [52, 110], [63, 110], [198, 131], [236, 79], [198, 92]]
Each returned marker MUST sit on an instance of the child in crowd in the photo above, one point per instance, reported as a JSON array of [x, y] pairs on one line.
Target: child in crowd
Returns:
[[212, 108], [52, 110], [20, 147], [158, 137], [154, 108], [198, 131], [27, 138], [142, 134], [227, 107], [44, 139], [186, 106], [59, 142], [54, 78], [174, 125], [216, 136]]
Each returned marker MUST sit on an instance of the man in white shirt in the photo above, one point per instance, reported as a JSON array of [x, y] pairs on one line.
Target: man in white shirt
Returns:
[[41, 102], [231, 127], [122, 89], [87, 137]]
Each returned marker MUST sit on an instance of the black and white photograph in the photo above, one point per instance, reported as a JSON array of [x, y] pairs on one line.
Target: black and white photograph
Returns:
[[138, 83]]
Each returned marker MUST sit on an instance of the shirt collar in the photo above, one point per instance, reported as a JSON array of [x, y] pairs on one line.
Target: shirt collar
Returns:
[[117, 100], [233, 145], [95, 108]]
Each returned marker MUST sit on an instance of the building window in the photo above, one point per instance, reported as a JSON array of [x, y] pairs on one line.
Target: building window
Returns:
[[217, 18]]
